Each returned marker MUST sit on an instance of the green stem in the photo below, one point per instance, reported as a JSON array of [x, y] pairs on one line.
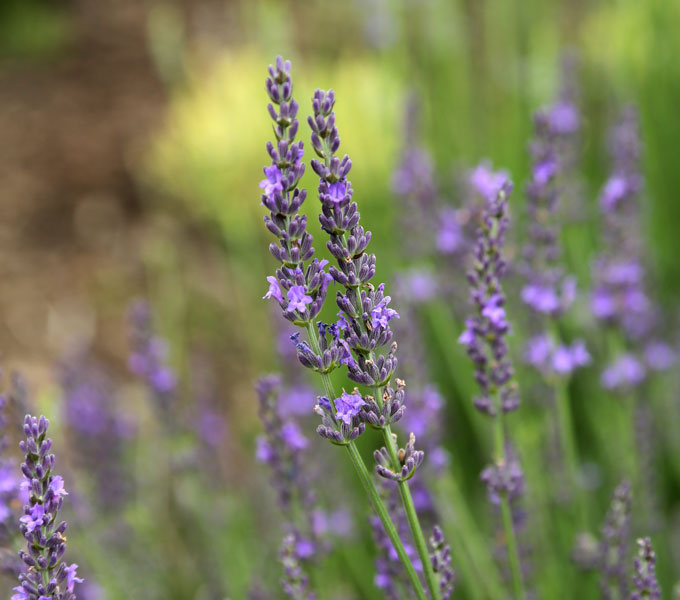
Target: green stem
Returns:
[[508, 526], [412, 516], [368, 484], [478, 570], [566, 432]]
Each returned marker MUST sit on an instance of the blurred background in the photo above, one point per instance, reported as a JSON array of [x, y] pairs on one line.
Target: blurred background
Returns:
[[131, 145]]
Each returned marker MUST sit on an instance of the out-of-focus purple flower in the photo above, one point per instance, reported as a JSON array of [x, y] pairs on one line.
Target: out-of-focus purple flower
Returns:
[[659, 356], [625, 372], [544, 354], [292, 436], [645, 584], [487, 182], [149, 353], [47, 577], [416, 286], [504, 479], [450, 235], [564, 118]]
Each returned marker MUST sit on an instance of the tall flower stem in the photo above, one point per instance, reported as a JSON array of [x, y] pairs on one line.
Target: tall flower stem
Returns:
[[568, 444], [370, 488], [506, 515], [471, 552], [410, 509]]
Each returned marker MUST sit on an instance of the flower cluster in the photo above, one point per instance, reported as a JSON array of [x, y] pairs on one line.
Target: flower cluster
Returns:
[[486, 331], [645, 583], [299, 288], [47, 577]]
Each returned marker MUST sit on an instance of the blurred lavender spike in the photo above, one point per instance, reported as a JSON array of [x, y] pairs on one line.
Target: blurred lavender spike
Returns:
[[614, 545], [46, 577], [645, 583], [295, 582], [149, 357]]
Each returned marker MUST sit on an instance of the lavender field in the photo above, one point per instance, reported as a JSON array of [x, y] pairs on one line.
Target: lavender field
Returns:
[[339, 301]]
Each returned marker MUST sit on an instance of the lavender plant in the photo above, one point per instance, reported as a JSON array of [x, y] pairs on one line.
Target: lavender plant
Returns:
[[47, 577], [485, 337], [300, 288]]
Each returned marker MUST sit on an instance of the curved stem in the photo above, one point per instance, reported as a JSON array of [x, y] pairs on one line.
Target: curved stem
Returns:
[[412, 516], [369, 486], [506, 515]]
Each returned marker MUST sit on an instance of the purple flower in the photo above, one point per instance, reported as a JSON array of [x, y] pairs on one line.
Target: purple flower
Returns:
[[625, 372], [71, 578], [494, 311], [40, 526], [272, 183], [487, 182], [541, 298], [274, 290], [381, 315], [450, 237], [564, 118], [298, 299], [614, 191], [659, 356], [264, 452], [34, 518], [292, 436], [337, 191], [348, 406]]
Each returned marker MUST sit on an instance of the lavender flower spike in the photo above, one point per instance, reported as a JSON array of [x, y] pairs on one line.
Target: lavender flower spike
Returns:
[[47, 577], [644, 578], [487, 329], [299, 288], [485, 336], [364, 325], [614, 545]]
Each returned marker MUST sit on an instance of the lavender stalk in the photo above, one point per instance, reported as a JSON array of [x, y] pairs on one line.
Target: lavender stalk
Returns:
[[304, 283], [47, 576], [485, 338], [364, 315]]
